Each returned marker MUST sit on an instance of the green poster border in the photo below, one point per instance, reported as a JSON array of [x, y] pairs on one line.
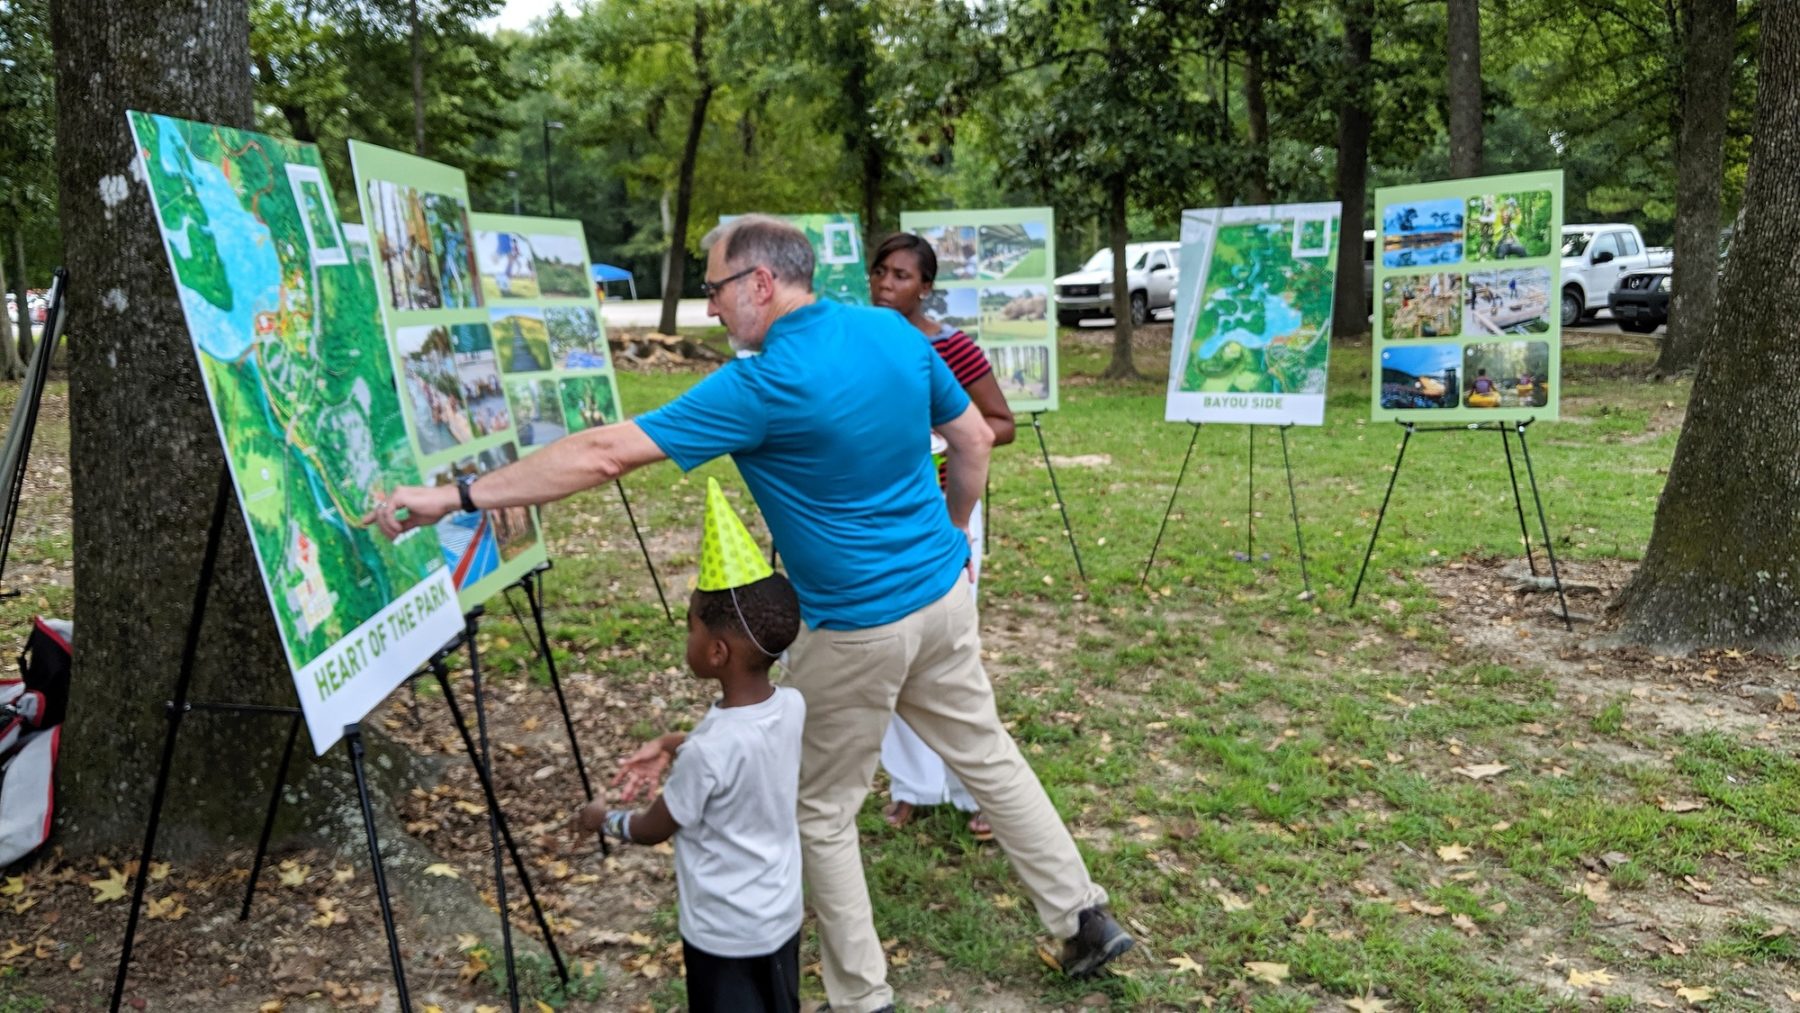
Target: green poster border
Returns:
[[913, 221], [369, 163], [568, 228], [1551, 180]]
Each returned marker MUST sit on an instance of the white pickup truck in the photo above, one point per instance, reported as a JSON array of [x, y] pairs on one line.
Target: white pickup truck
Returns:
[[1594, 258]]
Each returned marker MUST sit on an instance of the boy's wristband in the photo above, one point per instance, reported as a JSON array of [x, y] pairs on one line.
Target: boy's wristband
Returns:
[[618, 825]]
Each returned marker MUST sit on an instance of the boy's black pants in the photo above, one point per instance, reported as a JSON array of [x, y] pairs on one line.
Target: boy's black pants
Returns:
[[766, 984]]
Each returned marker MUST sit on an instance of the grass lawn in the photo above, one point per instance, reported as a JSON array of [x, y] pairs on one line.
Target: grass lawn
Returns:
[[1436, 800]]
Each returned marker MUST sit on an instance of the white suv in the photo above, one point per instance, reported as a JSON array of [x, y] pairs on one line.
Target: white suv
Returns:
[[1151, 269]]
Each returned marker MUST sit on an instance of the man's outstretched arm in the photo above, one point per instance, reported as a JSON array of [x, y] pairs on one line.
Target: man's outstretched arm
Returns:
[[578, 461]]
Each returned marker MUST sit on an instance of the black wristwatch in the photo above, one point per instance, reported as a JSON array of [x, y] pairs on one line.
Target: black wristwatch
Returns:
[[463, 484]]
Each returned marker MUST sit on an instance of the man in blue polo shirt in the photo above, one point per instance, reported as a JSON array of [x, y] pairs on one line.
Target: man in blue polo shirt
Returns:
[[829, 426]]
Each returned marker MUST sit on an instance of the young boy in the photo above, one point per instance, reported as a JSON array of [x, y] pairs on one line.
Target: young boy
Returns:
[[730, 798]]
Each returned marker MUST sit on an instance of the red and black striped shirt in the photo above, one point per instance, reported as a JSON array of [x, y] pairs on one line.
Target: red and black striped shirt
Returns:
[[968, 363]]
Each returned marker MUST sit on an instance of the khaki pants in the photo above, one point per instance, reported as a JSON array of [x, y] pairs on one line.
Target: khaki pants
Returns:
[[927, 668]]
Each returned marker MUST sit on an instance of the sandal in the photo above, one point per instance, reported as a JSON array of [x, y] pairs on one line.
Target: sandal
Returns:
[[898, 814], [978, 825]]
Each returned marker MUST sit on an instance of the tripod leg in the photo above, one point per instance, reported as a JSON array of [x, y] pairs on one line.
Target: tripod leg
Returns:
[[534, 590], [1067, 529], [262, 843], [1404, 440], [1250, 502], [1172, 495], [619, 484], [442, 673], [1518, 501], [1294, 506], [485, 766], [1544, 526], [177, 708], [353, 742]]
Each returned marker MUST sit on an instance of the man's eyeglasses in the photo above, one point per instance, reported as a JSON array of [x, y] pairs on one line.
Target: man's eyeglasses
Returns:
[[713, 288]]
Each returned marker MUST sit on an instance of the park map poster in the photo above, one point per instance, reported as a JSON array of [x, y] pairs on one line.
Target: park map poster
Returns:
[[1253, 321], [1467, 276], [297, 370], [995, 282], [424, 265], [539, 290], [839, 271]]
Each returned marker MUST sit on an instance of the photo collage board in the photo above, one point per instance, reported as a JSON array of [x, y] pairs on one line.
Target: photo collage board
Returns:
[[287, 329], [545, 320], [1253, 321], [840, 267], [1466, 300], [445, 354], [995, 281]]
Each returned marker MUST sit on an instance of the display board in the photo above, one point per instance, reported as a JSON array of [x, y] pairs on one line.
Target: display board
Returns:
[[296, 367], [424, 265], [840, 272], [1253, 320], [545, 320], [1467, 322], [996, 270]]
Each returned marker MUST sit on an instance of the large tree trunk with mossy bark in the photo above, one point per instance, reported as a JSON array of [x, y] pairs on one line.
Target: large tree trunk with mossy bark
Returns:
[[1349, 302], [144, 452], [1121, 367], [1723, 564], [1462, 29]]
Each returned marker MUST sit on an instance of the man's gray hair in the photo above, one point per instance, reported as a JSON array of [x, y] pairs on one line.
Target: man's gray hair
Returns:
[[766, 241]]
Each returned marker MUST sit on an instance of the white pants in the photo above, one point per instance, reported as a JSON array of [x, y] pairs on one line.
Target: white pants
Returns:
[[916, 775]]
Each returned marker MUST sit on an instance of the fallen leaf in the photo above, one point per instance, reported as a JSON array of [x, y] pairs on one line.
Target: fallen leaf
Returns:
[[13, 886], [1308, 920], [1696, 995], [1232, 902], [1588, 979], [24, 904], [159, 871], [1681, 806], [1003, 901], [75, 962], [1263, 970], [1186, 963], [1366, 1005], [45, 949], [13, 949], [467, 941], [1453, 853], [294, 876], [472, 969], [443, 869], [1792, 994], [432, 1007], [110, 888], [272, 1006], [487, 1009], [1465, 923], [1594, 890], [542, 1007], [472, 808], [1478, 771], [168, 909], [343, 875], [638, 939]]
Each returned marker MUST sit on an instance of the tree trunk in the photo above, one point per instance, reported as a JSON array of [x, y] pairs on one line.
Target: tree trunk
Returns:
[[1349, 303], [1121, 367], [684, 185], [144, 452], [418, 80], [1462, 24], [22, 286], [12, 366], [1723, 564], [1256, 107], [1710, 36]]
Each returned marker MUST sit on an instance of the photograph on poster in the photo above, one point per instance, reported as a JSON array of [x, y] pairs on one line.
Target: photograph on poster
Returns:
[[475, 545], [1013, 251], [1506, 374], [1014, 311], [522, 340], [958, 256], [562, 267], [1508, 302], [575, 341], [1023, 371], [422, 241], [508, 269], [479, 375], [1510, 226], [1420, 376], [537, 411], [1421, 306], [433, 390], [1423, 233], [587, 401], [955, 307]]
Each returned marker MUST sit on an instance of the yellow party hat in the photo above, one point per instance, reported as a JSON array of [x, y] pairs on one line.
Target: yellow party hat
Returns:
[[729, 557]]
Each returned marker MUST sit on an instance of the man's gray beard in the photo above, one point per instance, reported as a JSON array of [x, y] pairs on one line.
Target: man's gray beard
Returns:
[[739, 345]]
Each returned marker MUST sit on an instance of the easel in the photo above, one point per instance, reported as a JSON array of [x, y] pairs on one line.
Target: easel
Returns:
[[1518, 502], [1037, 426], [619, 484], [179, 706], [25, 412], [1287, 465]]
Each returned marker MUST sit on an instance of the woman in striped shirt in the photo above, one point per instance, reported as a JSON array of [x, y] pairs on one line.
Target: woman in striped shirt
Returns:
[[900, 278]]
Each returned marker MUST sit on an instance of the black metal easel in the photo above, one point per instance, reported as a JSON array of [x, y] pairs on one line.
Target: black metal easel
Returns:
[[619, 484], [1038, 427], [25, 413], [1518, 501], [1250, 508]]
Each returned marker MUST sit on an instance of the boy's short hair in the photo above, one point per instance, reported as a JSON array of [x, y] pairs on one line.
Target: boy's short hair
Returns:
[[768, 610]]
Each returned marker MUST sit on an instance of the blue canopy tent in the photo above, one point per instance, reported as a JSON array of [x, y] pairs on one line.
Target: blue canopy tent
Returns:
[[605, 274]]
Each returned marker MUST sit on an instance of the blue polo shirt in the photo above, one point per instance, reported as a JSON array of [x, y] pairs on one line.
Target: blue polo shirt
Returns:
[[830, 427]]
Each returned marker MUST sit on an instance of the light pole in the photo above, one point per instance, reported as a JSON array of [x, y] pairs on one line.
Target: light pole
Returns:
[[512, 176], [549, 179]]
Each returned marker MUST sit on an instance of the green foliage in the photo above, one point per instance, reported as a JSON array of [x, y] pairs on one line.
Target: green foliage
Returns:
[[27, 152]]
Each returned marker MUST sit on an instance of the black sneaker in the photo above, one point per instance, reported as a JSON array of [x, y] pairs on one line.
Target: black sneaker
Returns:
[[889, 1008], [1095, 943]]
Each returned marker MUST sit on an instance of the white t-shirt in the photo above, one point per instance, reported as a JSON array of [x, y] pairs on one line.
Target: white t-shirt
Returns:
[[733, 789]]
